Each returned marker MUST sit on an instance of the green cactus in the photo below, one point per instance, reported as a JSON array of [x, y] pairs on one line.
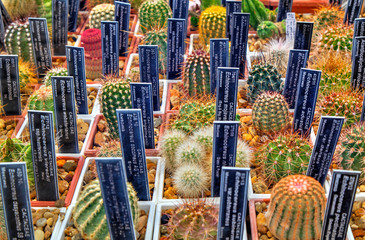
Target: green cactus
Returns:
[[196, 73], [171, 140], [89, 213], [204, 136], [45, 11], [296, 209], [111, 149], [54, 72], [159, 38], [194, 219], [327, 16], [287, 154], [258, 12], [41, 100], [244, 154], [18, 41], [115, 94], [262, 78], [350, 151], [267, 29], [190, 152], [191, 181], [270, 113], [212, 24], [337, 38], [20, 9], [154, 14], [101, 12]]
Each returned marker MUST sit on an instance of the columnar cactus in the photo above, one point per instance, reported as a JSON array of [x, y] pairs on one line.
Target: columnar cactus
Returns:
[[21, 9], [270, 113], [256, 9], [91, 42], [337, 38], [54, 72], [191, 181], [101, 12], [194, 219], [115, 94], [171, 140], [154, 14], [212, 24], [262, 78], [89, 213], [159, 38], [18, 41], [196, 73], [42, 100], [285, 155], [296, 209]]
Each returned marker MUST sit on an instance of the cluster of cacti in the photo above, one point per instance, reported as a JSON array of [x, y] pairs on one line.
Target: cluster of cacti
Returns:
[[91, 42], [212, 24], [262, 78], [257, 10], [346, 104], [194, 219], [270, 113], [276, 53], [18, 41], [41, 100], [159, 38], [89, 212], [327, 16], [111, 149], [54, 72], [154, 14], [14, 150], [287, 154], [101, 12], [115, 94], [296, 209], [350, 151], [337, 38], [196, 73], [20, 9], [93, 3], [269, 29]]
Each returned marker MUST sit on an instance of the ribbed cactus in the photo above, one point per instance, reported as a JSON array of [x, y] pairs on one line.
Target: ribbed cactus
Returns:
[[287, 154], [89, 213], [154, 14], [159, 38], [267, 29], [54, 72], [101, 12], [18, 41], [350, 150], [262, 78], [196, 73], [91, 42], [191, 181], [194, 219], [111, 149], [171, 140], [270, 113], [337, 38], [115, 94], [212, 24], [256, 9], [296, 209], [21, 9], [346, 104], [41, 100], [327, 15]]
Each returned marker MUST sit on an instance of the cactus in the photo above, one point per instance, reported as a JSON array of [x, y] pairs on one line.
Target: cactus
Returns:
[[18, 41], [27, 76], [196, 73], [296, 209], [191, 181], [41, 100], [204, 136], [134, 74], [262, 78], [171, 140], [20, 9], [115, 94], [350, 151], [194, 219], [89, 213], [327, 16], [45, 11], [54, 72], [212, 24], [159, 38], [154, 14], [270, 113], [91, 42], [111, 149], [190, 152], [267, 29], [244, 154], [287, 154], [276, 53], [337, 38], [258, 12], [93, 3], [346, 104], [101, 12]]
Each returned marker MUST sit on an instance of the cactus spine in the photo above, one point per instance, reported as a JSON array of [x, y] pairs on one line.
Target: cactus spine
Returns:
[[212, 24], [154, 14], [191, 181], [91, 42], [171, 140], [89, 213], [102, 12], [42, 100], [54, 72], [159, 38], [18, 41], [20, 9], [296, 209], [196, 73]]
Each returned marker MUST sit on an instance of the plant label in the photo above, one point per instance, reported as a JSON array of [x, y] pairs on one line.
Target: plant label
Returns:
[[176, 30], [232, 6], [122, 15], [303, 36], [219, 56], [59, 26], [110, 47]]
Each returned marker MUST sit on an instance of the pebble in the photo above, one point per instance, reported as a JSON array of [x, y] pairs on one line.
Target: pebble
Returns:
[[142, 221], [362, 188], [39, 235], [70, 166], [261, 223], [49, 221], [41, 222], [48, 215]]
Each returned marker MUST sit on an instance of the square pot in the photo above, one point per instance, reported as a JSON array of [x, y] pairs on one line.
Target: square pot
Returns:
[[57, 226]]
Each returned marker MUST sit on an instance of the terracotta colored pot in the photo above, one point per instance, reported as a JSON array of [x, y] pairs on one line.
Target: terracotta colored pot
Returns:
[[132, 49], [252, 212], [72, 186], [299, 6]]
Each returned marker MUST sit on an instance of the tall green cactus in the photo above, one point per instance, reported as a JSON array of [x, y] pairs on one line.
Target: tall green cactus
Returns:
[[18, 41], [212, 24], [158, 37], [296, 208], [257, 10], [153, 14]]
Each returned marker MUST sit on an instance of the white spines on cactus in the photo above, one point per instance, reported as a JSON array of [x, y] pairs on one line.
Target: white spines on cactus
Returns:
[[190, 152], [169, 144], [204, 136], [244, 154]]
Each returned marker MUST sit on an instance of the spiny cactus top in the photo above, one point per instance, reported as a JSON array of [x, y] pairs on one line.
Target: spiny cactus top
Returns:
[[328, 15], [54, 72], [270, 113], [267, 29], [296, 209], [42, 100], [171, 140], [91, 42], [158, 37], [153, 14], [20, 9], [101, 12], [18, 41], [337, 38], [212, 24], [93, 3]]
